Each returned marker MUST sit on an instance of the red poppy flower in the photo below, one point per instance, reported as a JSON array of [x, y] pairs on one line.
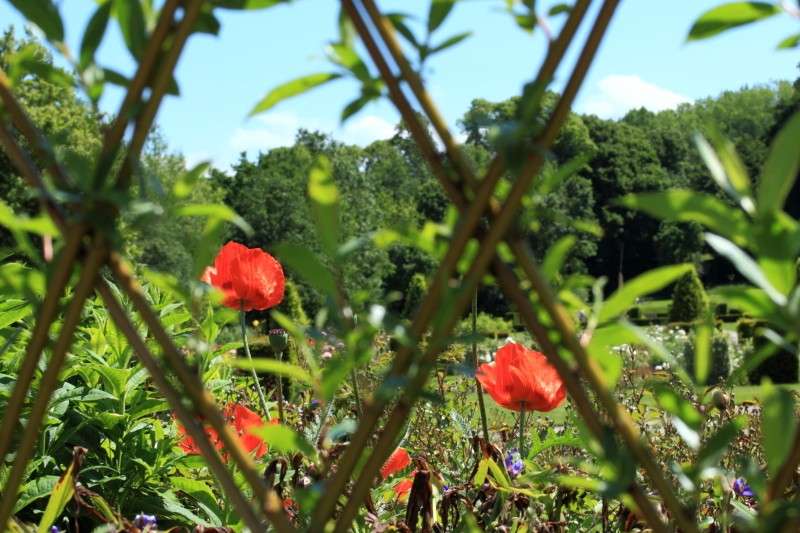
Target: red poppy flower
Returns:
[[248, 276], [404, 487], [243, 420], [396, 462], [522, 379]]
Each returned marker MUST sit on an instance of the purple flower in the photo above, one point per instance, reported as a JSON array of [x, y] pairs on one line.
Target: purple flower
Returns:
[[514, 463], [145, 520], [54, 529], [741, 488]]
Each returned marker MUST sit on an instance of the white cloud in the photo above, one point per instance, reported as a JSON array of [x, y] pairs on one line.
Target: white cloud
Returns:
[[279, 129], [618, 94]]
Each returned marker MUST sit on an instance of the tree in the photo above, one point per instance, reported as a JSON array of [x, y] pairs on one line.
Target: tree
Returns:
[[689, 300]]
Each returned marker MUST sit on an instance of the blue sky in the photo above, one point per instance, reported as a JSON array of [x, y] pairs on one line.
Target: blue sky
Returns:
[[644, 61]]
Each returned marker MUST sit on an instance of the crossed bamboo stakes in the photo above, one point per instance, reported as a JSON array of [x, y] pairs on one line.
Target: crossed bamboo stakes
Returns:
[[86, 248]]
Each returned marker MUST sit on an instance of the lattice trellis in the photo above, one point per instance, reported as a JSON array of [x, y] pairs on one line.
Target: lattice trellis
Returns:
[[88, 251]]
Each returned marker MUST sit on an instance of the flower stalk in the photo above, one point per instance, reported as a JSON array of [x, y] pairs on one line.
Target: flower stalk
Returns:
[[522, 429], [261, 399], [481, 405]]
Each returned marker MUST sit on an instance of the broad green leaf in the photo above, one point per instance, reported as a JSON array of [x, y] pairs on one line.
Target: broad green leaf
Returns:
[[308, 266], [44, 14], [480, 474], [727, 16], [324, 204], [284, 439], [702, 352], [95, 31], [555, 257], [40, 487], [248, 4], [12, 311], [185, 185], [356, 105], [652, 281], [682, 205], [438, 13], [500, 474], [273, 366], [131, 22], [293, 88], [61, 496], [678, 406], [746, 266], [202, 493], [778, 424], [28, 61], [781, 168], [347, 58]]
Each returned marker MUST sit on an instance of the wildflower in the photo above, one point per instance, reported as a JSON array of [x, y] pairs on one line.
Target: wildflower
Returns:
[[396, 462], [404, 487], [514, 463], [145, 520], [741, 488], [522, 379], [243, 421], [247, 277]]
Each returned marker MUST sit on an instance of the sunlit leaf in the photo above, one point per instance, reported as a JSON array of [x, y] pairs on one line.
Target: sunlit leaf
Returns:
[[780, 169], [438, 13], [284, 439], [649, 282], [324, 198], [248, 4], [307, 265], [452, 41], [95, 31], [729, 16], [778, 423], [131, 22], [273, 366], [293, 88], [44, 14]]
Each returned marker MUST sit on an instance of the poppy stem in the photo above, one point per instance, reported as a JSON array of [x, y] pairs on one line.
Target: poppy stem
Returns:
[[261, 399], [522, 430], [280, 392], [481, 405]]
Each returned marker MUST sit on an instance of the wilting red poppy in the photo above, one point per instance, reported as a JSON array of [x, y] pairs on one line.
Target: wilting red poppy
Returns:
[[396, 462], [522, 379], [248, 276], [404, 487], [243, 420]]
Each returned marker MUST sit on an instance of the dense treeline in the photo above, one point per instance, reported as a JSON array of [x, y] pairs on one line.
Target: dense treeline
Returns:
[[388, 184]]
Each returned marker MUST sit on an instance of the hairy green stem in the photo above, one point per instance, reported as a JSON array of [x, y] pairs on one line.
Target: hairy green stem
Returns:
[[280, 392], [522, 429], [481, 405], [261, 399]]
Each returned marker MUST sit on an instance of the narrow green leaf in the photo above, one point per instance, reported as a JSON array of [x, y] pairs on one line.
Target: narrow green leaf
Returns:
[[284, 439], [44, 14], [746, 266], [438, 13], [131, 23], [726, 167], [61, 496], [702, 353], [727, 16], [272, 366], [248, 4], [778, 423], [715, 448], [452, 41], [95, 31], [324, 198], [681, 205], [678, 406], [652, 281], [781, 168], [293, 88], [789, 42], [347, 58], [185, 185], [558, 9], [398, 20], [555, 257], [347, 30]]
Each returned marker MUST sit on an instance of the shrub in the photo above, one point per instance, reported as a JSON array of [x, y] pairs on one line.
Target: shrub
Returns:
[[746, 328], [292, 305], [720, 358], [417, 288], [689, 300]]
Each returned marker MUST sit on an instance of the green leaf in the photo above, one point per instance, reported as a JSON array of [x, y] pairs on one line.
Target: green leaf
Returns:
[[726, 167], [789, 42], [28, 60], [93, 35], [61, 496], [727, 16], [185, 185], [308, 266], [248, 4], [746, 266], [284, 439], [12, 311], [324, 198], [272, 366], [293, 88], [44, 14], [678, 406], [356, 105], [438, 13], [131, 22], [681, 205], [778, 424], [202, 493], [715, 448], [652, 281], [452, 41], [558, 9], [33, 490], [346, 57], [398, 20], [702, 352], [555, 257], [780, 169]]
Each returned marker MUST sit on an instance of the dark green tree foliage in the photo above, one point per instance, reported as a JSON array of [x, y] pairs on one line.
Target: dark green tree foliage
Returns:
[[292, 305], [416, 291], [58, 112], [689, 300], [720, 358]]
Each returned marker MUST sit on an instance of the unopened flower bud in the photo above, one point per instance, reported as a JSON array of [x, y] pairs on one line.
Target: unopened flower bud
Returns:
[[278, 339]]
